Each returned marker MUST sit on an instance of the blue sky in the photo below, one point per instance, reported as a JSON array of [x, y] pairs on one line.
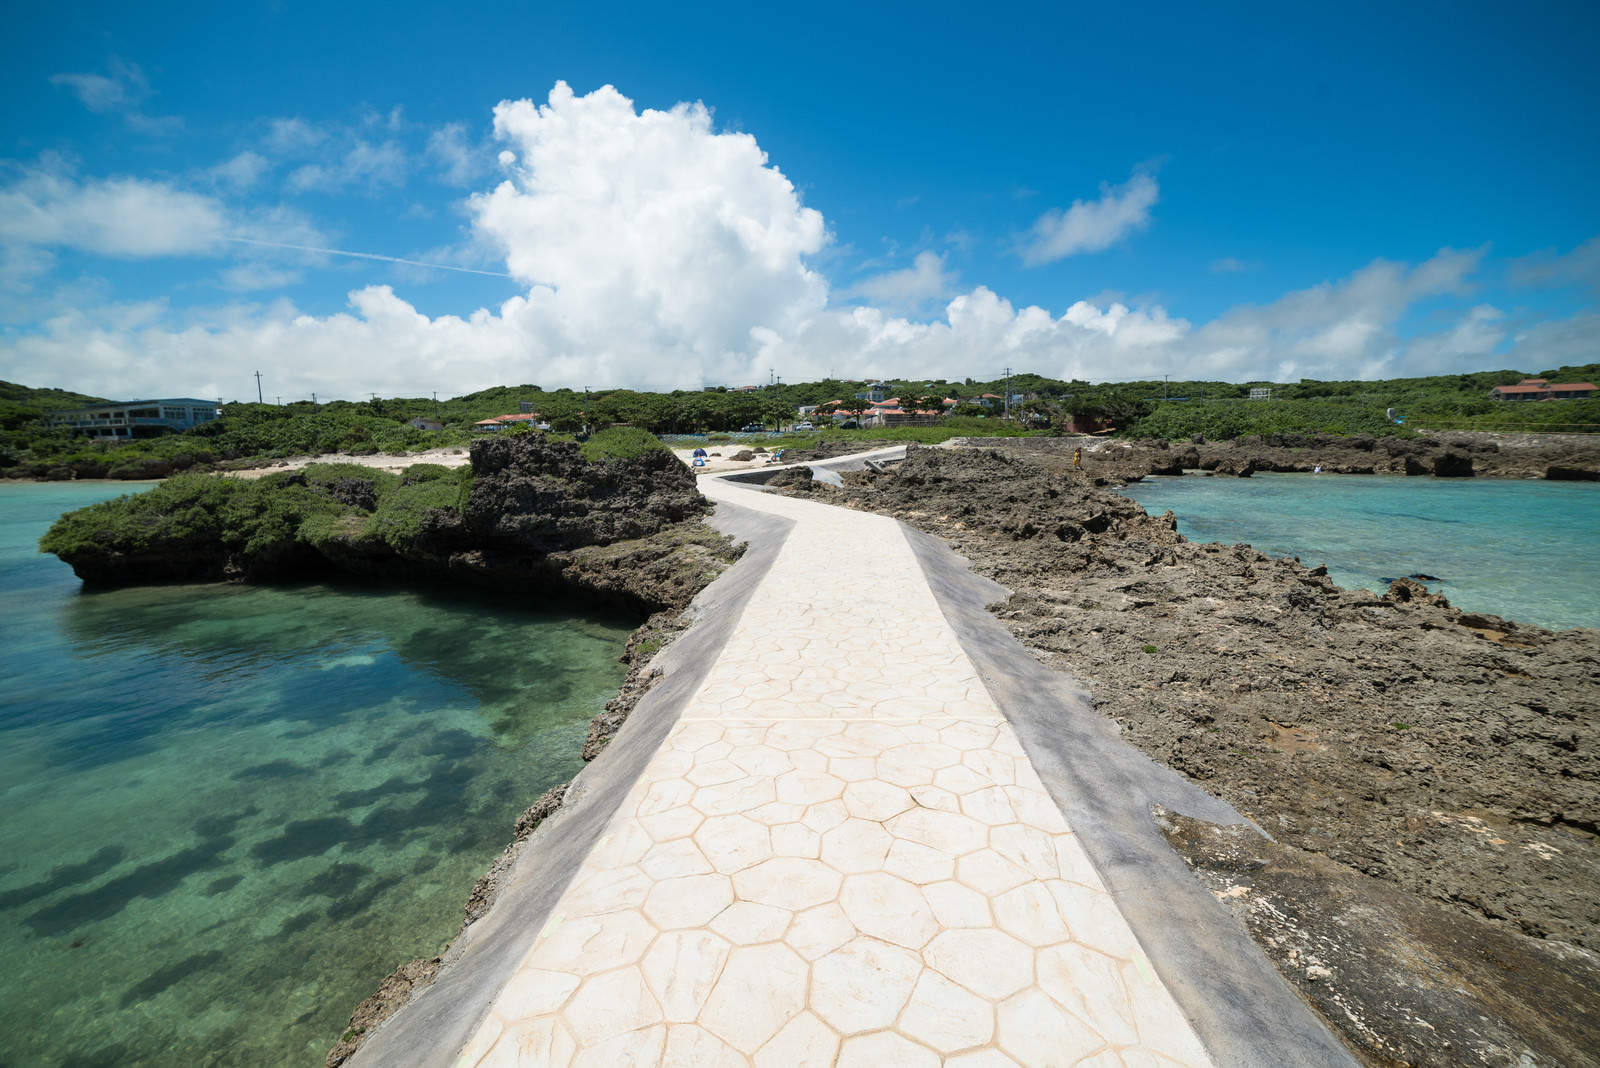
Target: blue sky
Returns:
[[690, 194]]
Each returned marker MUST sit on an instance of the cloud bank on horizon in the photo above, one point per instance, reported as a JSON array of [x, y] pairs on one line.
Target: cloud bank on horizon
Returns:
[[654, 250]]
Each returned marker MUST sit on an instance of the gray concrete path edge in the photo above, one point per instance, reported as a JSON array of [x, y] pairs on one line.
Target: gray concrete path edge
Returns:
[[1243, 1011], [430, 1030]]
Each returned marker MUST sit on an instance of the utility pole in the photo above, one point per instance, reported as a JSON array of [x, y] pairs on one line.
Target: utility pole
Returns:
[[1164, 386], [314, 402], [436, 404], [1007, 402], [259, 398]]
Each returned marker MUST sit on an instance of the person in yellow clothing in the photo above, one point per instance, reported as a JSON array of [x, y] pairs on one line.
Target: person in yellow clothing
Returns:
[[1077, 457]]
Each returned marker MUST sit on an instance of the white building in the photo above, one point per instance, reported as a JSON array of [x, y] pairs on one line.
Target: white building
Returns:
[[126, 420]]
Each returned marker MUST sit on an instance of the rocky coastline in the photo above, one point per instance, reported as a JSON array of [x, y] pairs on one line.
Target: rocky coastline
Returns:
[[1429, 883], [1558, 457], [1428, 775]]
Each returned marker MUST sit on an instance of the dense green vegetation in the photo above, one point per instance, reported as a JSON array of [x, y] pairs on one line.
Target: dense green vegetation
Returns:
[[1169, 409], [253, 516], [619, 443], [1444, 402]]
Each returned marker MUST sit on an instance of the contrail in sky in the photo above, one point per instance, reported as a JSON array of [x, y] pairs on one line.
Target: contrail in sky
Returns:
[[361, 256]]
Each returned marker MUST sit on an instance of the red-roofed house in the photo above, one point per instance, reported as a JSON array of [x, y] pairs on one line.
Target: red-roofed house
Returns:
[[1540, 389], [502, 422]]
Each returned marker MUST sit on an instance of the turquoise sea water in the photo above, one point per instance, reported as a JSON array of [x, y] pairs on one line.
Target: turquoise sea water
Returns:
[[1523, 550], [227, 812]]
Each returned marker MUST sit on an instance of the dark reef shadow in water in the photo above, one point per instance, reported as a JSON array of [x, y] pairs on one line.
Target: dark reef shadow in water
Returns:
[[148, 880], [336, 880], [299, 922], [65, 875], [162, 978], [382, 752], [277, 769], [390, 787], [355, 906], [113, 1056], [439, 809]]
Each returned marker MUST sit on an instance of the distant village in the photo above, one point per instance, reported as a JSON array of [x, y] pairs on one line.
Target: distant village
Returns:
[[871, 406]]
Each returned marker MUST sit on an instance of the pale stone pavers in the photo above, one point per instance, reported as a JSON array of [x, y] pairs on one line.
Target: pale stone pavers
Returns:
[[840, 856]]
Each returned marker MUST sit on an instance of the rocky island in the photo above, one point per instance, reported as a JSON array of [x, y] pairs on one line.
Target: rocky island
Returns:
[[528, 516]]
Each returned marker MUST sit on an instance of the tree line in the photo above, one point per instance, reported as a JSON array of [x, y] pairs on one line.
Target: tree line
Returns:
[[1180, 409]]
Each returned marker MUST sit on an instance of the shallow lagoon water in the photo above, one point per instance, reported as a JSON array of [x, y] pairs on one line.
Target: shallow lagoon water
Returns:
[[1523, 550], [227, 812]]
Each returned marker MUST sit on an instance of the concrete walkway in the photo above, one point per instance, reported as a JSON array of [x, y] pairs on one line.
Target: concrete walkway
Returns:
[[833, 835], [841, 855]]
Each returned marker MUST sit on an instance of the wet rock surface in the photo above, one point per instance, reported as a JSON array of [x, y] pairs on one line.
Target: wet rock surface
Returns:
[[542, 518], [395, 990], [1445, 755], [529, 493], [1571, 457], [1406, 979]]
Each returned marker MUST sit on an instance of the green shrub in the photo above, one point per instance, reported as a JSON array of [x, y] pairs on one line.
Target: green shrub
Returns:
[[428, 472], [620, 443], [398, 517], [325, 474]]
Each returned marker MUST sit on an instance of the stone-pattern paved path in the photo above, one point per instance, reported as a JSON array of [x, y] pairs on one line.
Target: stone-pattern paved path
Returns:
[[840, 856]]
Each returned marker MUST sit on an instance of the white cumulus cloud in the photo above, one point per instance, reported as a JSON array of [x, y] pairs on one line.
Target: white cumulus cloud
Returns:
[[125, 217], [649, 236], [910, 287], [653, 250], [1092, 225]]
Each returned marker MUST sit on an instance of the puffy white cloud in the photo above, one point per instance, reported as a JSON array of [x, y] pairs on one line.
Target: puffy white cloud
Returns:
[[1332, 330], [382, 344], [980, 333], [125, 217], [648, 236], [911, 287], [1092, 225], [655, 251], [46, 207]]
